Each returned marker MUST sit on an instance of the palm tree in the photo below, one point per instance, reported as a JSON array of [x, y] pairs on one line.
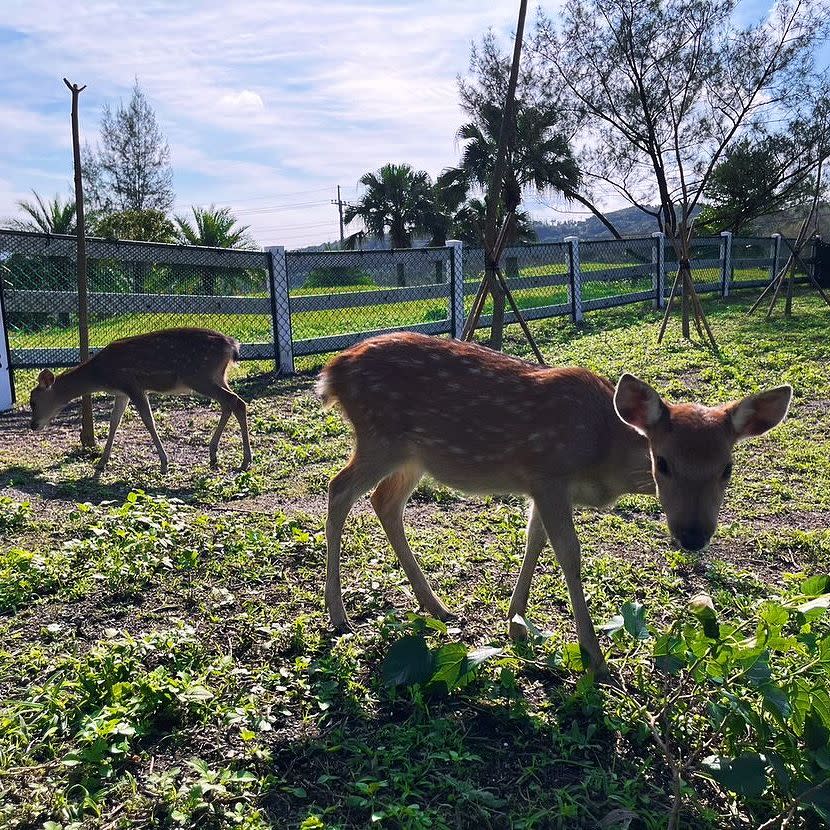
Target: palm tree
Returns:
[[51, 216], [540, 158], [398, 201], [216, 228], [469, 220]]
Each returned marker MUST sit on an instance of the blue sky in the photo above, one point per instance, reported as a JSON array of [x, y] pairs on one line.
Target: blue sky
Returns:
[[267, 106]]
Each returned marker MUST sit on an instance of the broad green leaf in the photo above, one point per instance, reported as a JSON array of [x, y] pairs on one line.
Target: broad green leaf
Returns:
[[704, 609], [669, 653], [821, 603], [779, 769], [436, 625], [572, 657], [479, 655], [816, 585], [759, 671], [409, 661], [744, 775], [773, 614], [634, 620], [815, 732], [776, 700], [448, 665], [819, 799], [613, 625]]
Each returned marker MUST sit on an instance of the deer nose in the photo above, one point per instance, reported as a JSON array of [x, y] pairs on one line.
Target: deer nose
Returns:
[[692, 538]]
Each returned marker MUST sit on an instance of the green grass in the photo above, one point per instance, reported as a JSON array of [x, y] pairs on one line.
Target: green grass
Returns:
[[166, 662]]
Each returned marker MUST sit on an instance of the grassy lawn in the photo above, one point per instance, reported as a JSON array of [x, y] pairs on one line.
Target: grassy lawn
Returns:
[[166, 660]]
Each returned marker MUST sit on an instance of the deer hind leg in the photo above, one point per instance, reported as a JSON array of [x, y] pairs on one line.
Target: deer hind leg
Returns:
[[536, 538], [555, 511], [118, 407], [362, 473], [389, 500], [231, 404], [142, 404]]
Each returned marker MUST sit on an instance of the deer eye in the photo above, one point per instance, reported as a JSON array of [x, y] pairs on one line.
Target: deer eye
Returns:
[[662, 466], [727, 472]]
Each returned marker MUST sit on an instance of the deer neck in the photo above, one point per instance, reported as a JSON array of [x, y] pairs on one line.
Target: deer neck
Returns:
[[635, 461], [75, 382]]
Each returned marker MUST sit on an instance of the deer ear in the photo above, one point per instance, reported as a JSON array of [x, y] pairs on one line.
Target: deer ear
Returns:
[[756, 414], [45, 379], [638, 404]]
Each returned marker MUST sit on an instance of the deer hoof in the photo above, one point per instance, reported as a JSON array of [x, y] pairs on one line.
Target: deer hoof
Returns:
[[518, 632], [342, 627], [441, 612]]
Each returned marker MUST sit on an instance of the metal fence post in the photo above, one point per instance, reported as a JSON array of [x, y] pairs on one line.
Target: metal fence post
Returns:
[[575, 278], [776, 253], [6, 379], [658, 269], [725, 262], [456, 282], [281, 310]]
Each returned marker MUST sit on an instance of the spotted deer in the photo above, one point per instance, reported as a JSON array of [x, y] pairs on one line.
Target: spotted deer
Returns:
[[483, 422], [172, 361]]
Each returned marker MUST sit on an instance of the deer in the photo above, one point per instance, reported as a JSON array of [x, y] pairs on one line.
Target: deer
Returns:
[[483, 422], [176, 361]]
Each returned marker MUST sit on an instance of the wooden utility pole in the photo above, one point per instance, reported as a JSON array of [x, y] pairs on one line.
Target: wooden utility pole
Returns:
[[87, 429], [339, 202]]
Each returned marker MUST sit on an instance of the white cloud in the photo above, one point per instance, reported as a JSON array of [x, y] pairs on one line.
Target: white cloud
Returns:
[[258, 100], [242, 102]]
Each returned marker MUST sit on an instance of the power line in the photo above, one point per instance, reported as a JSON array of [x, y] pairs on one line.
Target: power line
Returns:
[[246, 199]]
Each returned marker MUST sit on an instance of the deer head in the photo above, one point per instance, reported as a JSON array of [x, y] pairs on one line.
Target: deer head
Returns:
[[43, 401], [691, 449]]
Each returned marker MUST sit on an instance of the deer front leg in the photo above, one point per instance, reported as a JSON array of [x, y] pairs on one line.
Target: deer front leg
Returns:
[[389, 500], [344, 490], [536, 538], [556, 513], [118, 407], [141, 403]]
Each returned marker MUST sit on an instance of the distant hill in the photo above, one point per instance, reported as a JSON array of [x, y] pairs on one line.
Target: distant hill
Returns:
[[633, 222], [788, 222], [629, 222]]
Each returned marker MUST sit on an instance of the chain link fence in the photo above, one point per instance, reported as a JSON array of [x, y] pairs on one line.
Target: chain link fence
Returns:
[[755, 260], [617, 272], [281, 304], [134, 287], [339, 297], [537, 275], [706, 266]]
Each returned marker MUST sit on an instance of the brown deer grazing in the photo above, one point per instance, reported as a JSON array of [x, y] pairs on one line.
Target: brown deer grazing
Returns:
[[172, 361], [483, 422]]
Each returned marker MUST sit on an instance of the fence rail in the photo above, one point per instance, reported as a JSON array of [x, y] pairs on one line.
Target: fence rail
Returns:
[[280, 304]]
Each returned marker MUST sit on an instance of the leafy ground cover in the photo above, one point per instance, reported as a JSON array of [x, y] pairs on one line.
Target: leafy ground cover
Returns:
[[165, 658]]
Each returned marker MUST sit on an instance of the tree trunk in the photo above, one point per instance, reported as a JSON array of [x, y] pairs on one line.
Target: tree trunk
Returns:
[[87, 425], [497, 326]]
